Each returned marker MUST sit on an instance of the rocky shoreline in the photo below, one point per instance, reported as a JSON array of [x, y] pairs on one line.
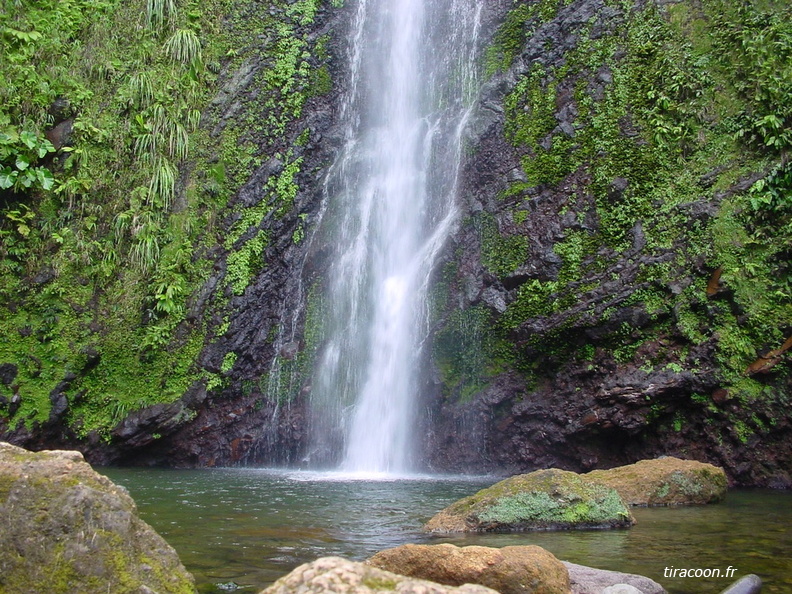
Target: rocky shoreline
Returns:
[[69, 529]]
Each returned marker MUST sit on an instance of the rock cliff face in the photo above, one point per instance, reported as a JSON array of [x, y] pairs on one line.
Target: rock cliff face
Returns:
[[588, 285], [617, 286]]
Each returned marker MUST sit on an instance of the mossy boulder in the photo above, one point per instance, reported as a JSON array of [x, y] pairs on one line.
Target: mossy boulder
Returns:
[[339, 576], [69, 529], [543, 500], [510, 570], [665, 481]]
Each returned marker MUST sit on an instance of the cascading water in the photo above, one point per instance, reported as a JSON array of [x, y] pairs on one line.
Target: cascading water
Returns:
[[389, 206]]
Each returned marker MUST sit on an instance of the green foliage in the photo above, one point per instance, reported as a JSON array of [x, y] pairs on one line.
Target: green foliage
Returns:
[[228, 362], [19, 151], [468, 351], [753, 41], [184, 47], [677, 100], [519, 24], [125, 221], [245, 261], [501, 255], [540, 508], [160, 13]]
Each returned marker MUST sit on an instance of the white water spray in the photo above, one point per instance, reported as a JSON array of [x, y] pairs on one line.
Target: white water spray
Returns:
[[390, 205]]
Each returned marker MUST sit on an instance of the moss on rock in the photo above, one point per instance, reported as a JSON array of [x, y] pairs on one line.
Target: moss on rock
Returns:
[[68, 529], [543, 500], [665, 481]]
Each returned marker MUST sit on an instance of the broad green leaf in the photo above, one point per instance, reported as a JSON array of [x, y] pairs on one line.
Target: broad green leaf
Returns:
[[45, 178], [27, 178], [7, 177], [22, 162], [44, 147], [29, 138]]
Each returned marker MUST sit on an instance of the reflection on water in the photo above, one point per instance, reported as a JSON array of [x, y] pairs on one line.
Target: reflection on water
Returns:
[[252, 526]]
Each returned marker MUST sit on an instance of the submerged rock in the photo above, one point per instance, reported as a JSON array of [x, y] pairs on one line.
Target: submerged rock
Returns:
[[510, 570], [339, 576], [542, 500], [665, 481], [588, 580], [69, 529]]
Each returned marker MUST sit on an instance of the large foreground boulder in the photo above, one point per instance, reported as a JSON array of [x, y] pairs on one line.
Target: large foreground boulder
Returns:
[[67, 529], [542, 500], [510, 570], [339, 576], [665, 481], [587, 580]]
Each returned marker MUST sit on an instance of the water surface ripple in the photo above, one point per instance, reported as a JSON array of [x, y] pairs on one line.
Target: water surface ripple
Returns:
[[252, 526]]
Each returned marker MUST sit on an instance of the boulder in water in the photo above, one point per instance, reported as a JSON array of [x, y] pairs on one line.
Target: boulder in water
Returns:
[[542, 500], [509, 570], [339, 576], [588, 580], [665, 481], [69, 529]]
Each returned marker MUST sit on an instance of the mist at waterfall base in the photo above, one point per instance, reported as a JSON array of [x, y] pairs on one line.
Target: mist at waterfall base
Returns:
[[251, 526], [389, 205]]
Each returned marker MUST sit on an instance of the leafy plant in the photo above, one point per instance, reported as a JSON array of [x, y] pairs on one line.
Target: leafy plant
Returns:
[[184, 47], [19, 152], [160, 13]]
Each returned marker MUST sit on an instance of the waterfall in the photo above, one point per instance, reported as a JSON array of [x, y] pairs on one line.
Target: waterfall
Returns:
[[389, 205]]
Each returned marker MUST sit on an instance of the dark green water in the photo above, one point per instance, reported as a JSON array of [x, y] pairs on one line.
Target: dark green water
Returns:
[[252, 526]]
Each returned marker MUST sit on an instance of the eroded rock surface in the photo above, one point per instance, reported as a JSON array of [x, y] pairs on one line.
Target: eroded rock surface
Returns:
[[509, 570], [340, 576], [69, 529]]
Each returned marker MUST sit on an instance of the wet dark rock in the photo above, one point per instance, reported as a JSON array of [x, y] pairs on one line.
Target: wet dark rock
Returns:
[[61, 134], [144, 426], [8, 373], [45, 275]]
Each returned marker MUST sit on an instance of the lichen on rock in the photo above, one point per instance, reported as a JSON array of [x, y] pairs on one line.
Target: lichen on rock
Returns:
[[340, 576], [69, 529], [542, 500], [665, 481]]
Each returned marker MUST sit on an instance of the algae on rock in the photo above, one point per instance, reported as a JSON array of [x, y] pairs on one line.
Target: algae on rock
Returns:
[[543, 500], [68, 529], [665, 481]]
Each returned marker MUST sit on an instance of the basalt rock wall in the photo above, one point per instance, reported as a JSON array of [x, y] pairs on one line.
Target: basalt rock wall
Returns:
[[599, 281]]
